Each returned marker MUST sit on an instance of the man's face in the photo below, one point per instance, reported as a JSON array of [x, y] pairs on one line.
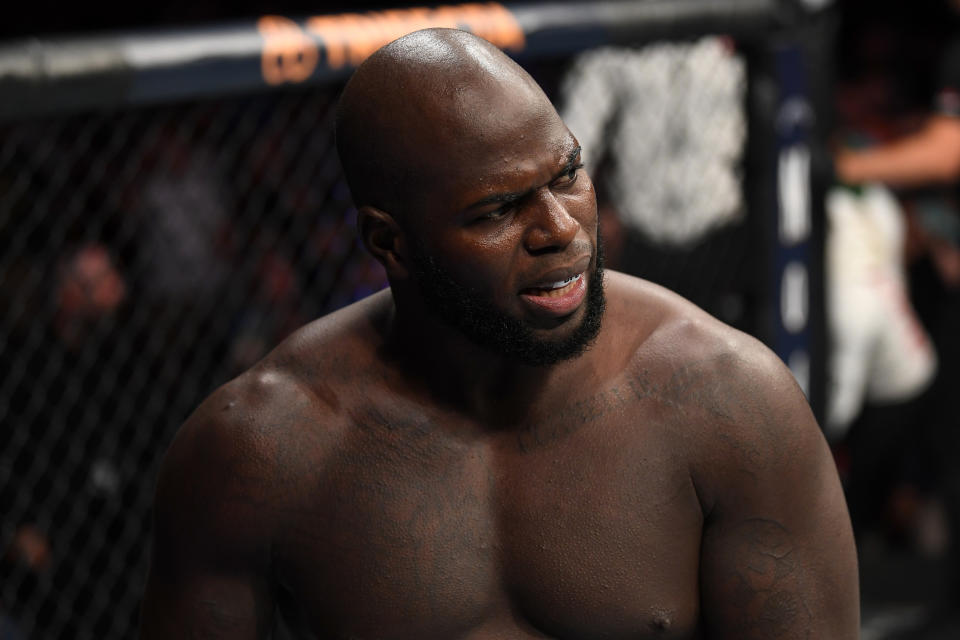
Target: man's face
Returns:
[[482, 321], [504, 243]]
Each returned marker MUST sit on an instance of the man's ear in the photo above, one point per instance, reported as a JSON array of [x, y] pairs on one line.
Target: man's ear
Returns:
[[384, 239]]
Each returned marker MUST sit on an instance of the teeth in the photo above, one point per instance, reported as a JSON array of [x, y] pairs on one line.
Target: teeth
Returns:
[[563, 283], [555, 289]]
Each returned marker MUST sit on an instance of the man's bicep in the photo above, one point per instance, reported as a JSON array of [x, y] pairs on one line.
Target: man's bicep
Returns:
[[210, 556], [204, 603], [761, 580], [778, 558]]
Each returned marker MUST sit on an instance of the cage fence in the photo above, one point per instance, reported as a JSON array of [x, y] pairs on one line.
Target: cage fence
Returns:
[[150, 253], [147, 256]]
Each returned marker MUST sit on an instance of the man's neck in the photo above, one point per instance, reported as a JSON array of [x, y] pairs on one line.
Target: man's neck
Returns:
[[464, 375]]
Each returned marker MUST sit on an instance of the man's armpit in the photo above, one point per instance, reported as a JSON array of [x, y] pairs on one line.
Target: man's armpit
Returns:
[[752, 582]]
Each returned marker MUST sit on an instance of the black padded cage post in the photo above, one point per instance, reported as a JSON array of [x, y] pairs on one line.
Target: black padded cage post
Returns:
[[787, 176], [171, 207]]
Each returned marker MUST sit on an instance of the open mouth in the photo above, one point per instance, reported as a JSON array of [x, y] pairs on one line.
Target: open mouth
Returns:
[[556, 289], [556, 299]]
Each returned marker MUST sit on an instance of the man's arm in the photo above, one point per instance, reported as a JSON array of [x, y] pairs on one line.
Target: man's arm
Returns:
[[210, 567], [777, 556], [932, 155]]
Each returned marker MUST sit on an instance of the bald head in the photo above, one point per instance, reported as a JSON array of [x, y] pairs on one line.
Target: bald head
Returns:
[[419, 103]]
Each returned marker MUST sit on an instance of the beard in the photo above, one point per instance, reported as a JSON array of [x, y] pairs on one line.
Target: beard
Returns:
[[483, 323]]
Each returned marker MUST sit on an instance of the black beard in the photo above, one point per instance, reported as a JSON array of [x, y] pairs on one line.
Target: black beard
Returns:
[[478, 318]]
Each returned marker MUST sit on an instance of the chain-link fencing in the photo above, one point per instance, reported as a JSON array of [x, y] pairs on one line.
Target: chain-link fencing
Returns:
[[147, 256]]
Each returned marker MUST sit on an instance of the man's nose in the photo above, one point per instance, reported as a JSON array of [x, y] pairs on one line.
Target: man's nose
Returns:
[[551, 227]]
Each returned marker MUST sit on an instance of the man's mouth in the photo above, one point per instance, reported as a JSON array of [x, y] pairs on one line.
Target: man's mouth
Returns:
[[555, 289], [556, 299]]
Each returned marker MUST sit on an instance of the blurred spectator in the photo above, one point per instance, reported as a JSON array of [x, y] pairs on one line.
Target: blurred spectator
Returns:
[[668, 124], [880, 353], [46, 518], [29, 550], [663, 129], [182, 207], [918, 443], [929, 155], [90, 289]]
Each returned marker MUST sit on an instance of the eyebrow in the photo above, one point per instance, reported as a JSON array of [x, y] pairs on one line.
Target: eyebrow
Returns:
[[514, 196]]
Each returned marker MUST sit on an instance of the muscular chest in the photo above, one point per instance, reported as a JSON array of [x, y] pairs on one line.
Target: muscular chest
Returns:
[[581, 538]]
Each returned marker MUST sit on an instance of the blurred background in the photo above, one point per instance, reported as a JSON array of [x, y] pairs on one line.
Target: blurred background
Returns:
[[164, 224]]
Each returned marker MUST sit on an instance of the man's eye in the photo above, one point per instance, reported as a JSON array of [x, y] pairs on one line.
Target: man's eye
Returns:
[[496, 214], [571, 176]]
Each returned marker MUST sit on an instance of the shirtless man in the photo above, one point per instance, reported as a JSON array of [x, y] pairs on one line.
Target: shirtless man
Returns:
[[472, 453]]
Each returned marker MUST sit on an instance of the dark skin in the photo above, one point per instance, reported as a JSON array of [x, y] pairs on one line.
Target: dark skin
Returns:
[[382, 476]]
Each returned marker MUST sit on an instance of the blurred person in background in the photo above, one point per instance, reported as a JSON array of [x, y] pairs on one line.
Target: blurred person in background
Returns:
[[673, 179], [27, 553], [917, 439], [928, 156], [182, 207], [90, 290], [50, 519], [663, 128]]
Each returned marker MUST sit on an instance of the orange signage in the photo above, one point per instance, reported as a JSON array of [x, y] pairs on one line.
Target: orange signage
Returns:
[[289, 55], [291, 52]]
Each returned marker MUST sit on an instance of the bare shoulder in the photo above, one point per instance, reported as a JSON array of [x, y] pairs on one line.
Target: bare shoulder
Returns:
[[672, 337], [224, 473], [738, 404], [651, 317], [238, 473], [777, 553], [244, 451]]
